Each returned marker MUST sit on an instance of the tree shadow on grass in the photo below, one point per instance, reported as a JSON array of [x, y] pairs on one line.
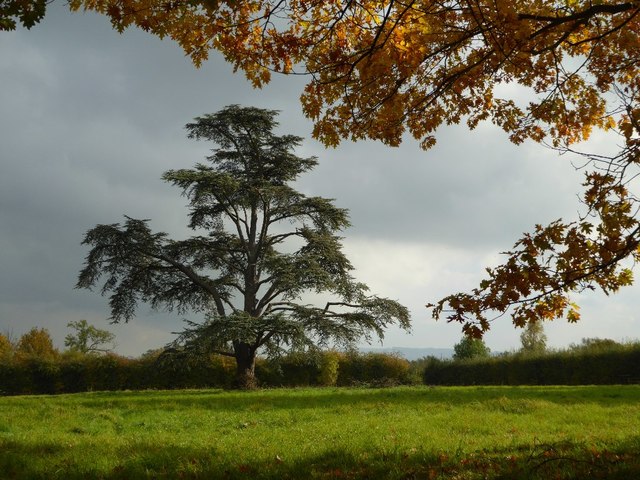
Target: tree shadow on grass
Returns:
[[353, 397], [563, 460]]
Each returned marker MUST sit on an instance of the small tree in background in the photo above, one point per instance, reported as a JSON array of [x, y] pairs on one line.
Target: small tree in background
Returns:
[[595, 345], [265, 246], [6, 348], [470, 347], [36, 343], [88, 339], [533, 338]]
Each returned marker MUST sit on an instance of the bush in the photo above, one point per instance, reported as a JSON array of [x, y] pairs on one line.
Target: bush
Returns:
[[44, 375], [296, 369], [329, 366], [186, 371], [74, 376], [373, 369], [15, 379]]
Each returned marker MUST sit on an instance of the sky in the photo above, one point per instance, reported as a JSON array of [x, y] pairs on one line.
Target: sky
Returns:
[[90, 119]]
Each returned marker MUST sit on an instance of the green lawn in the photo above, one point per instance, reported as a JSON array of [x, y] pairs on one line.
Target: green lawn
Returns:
[[408, 432]]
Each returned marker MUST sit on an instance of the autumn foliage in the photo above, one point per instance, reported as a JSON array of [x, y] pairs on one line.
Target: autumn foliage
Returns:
[[546, 70], [36, 343], [6, 348], [377, 68]]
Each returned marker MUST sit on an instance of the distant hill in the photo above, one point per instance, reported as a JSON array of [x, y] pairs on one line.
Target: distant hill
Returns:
[[411, 353]]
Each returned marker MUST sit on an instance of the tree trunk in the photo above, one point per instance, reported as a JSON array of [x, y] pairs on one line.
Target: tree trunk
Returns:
[[245, 367]]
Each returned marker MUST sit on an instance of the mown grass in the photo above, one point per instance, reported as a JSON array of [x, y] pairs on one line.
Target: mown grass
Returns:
[[408, 432]]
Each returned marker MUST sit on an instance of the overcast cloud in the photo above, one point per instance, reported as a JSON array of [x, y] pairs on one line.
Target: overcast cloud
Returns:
[[90, 119]]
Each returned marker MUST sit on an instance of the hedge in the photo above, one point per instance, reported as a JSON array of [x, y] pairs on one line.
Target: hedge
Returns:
[[70, 373], [617, 365]]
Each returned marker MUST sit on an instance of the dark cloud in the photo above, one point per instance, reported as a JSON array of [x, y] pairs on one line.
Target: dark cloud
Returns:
[[473, 190]]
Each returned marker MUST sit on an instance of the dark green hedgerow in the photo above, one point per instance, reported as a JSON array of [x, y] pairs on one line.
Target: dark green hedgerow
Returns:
[[70, 373], [617, 364]]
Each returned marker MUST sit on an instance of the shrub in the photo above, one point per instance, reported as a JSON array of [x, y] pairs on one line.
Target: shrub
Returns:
[[297, 369], [44, 375], [596, 345], [329, 366], [373, 369], [73, 374], [175, 371], [222, 371], [14, 379]]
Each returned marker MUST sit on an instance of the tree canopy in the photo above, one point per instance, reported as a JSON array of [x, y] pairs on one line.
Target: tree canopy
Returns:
[[377, 68], [469, 348], [261, 249], [88, 339], [533, 339], [21, 12], [36, 343]]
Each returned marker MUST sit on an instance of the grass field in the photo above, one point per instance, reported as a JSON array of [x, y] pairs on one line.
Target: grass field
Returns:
[[407, 432]]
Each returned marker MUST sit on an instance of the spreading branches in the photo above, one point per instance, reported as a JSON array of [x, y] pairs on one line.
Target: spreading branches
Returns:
[[546, 267], [142, 266], [237, 276], [88, 339]]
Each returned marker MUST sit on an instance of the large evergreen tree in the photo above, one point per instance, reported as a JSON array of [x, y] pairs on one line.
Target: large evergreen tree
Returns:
[[266, 247]]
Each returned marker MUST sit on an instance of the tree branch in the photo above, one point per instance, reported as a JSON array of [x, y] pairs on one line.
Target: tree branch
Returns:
[[196, 279], [583, 15]]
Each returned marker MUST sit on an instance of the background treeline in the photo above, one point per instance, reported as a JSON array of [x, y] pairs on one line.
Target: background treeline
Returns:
[[80, 373], [593, 362], [33, 366]]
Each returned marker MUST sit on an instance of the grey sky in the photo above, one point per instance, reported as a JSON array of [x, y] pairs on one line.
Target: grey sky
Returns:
[[90, 119]]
